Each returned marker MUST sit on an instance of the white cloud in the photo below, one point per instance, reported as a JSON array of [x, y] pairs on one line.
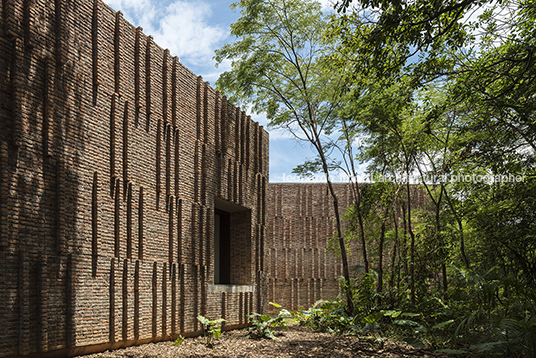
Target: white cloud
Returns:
[[181, 26], [213, 75], [185, 31]]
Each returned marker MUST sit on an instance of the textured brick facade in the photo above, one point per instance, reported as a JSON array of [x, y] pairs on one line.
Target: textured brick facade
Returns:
[[111, 156], [301, 220]]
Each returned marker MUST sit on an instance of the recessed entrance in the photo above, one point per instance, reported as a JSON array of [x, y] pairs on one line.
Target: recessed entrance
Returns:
[[232, 244]]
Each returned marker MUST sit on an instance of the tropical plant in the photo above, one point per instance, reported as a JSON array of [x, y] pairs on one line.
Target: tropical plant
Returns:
[[211, 329], [262, 325]]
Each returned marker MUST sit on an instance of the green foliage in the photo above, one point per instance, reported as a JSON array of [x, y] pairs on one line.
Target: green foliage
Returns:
[[427, 92], [262, 325], [326, 316], [178, 341], [211, 329]]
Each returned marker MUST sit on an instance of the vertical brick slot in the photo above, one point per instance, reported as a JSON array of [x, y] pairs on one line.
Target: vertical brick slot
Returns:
[[158, 165], [155, 299], [292, 294], [18, 88], [217, 120], [48, 110], [173, 299], [177, 155], [198, 108], [171, 215], [125, 149], [250, 303], [241, 307], [164, 300], [168, 137], [247, 140], [256, 238], [196, 172], [140, 225], [111, 312], [263, 207], [258, 186], [255, 147], [200, 234], [43, 304], [224, 124], [235, 181], [137, 300], [124, 326], [242, 137], [117, 215], [69, 299], [24, 305], [94, 225], [223, 308], [117, 52], [165, 87], [129, 221], [148, 107], [208, 237], [205, 112], [182, 297], [174, 92], [61, 39], [261, 145], [179, 231], [203, 290], [95, 49], [137, 75], [237, 134], [204, 174], [112, 145], [229, 180], [196, 297], [194, 227], [240, 183]]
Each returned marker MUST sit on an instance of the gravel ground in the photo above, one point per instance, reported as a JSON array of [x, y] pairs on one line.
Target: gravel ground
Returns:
[[296, 342]]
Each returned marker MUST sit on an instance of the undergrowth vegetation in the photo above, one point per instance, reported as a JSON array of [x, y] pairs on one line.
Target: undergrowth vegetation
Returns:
[[480, 317]]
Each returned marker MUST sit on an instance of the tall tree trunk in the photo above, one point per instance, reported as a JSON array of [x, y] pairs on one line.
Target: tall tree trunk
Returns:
[[344, 257], [357, 195], [412, 246], [404, 252], [440, 239], [393, 258], [460, 227], [381, 241], [342, 246]]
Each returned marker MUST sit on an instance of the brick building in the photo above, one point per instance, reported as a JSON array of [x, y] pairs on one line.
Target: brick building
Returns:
[[132, 194], [301, 220]]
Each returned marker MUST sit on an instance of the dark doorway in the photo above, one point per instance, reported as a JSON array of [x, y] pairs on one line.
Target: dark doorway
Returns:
[[222, 247]]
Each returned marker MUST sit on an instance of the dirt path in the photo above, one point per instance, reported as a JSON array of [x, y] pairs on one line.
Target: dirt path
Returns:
[[296, 342]]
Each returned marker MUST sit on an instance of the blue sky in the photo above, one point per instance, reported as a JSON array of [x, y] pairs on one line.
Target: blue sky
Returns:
[[192, 30]]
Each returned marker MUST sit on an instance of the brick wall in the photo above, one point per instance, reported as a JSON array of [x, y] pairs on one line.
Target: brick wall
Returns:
[[301, 220], [111, 155]]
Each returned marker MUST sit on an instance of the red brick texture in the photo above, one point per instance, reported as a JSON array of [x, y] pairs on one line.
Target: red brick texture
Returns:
[[301, 220], [111, 155]]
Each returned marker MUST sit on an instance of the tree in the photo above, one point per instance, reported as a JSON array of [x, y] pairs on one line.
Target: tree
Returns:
[[277, 66]]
